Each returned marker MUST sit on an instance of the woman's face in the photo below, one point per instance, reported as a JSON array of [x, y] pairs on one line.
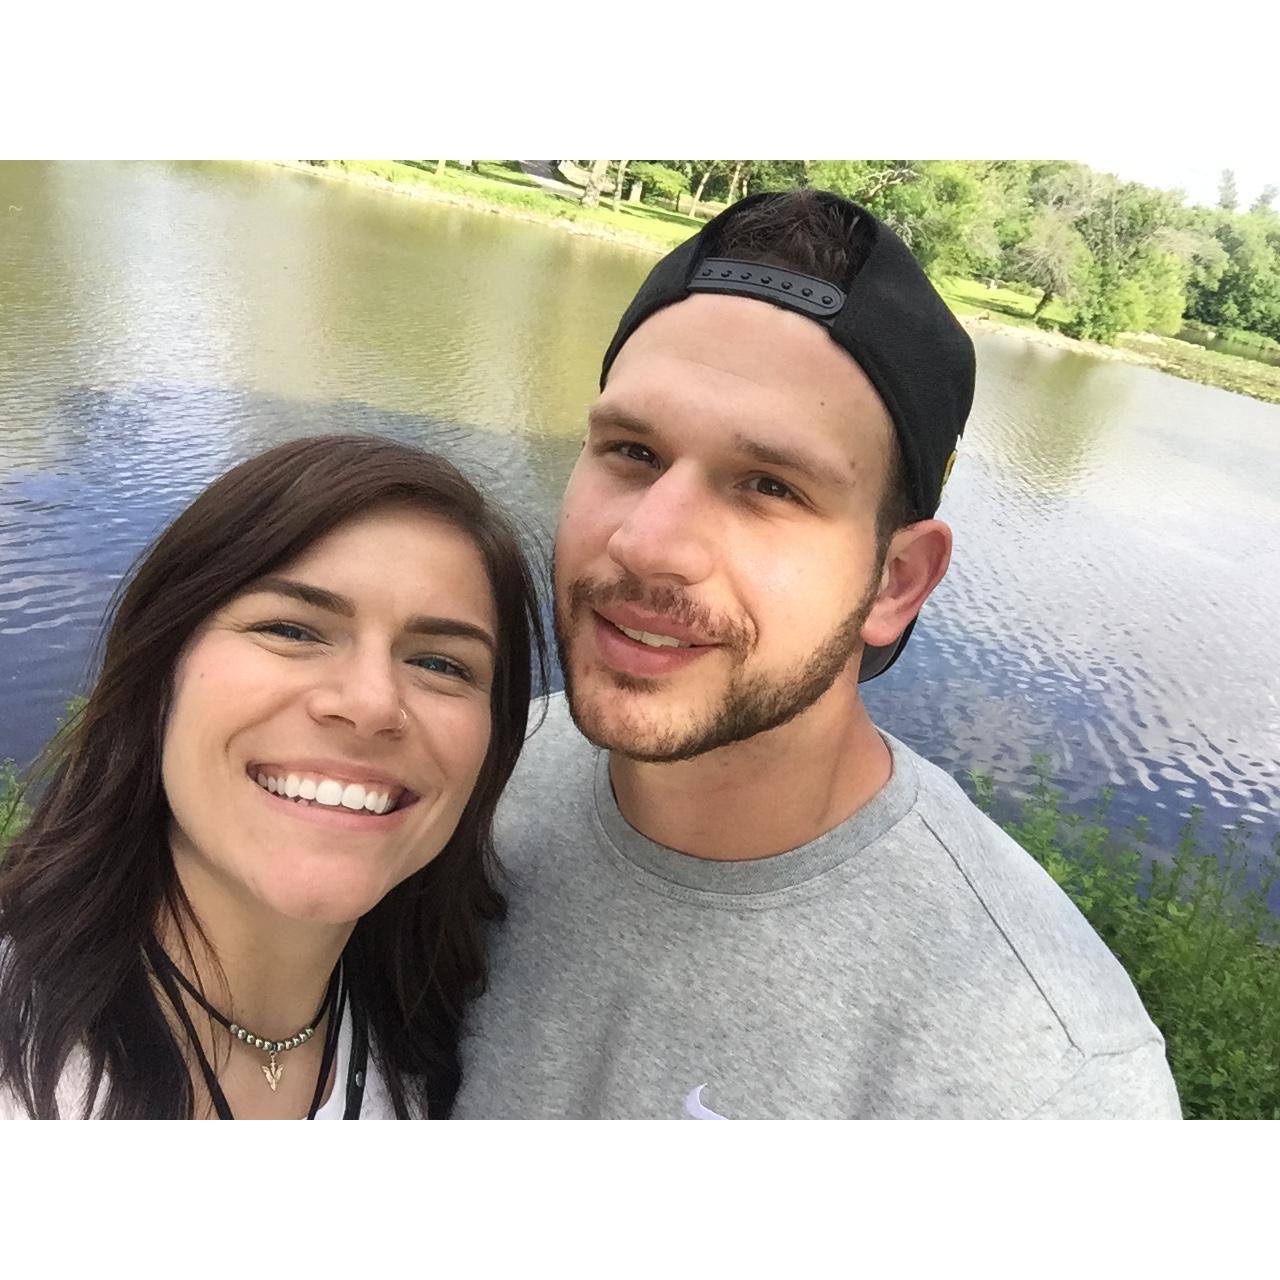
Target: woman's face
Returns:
[[329, 723]]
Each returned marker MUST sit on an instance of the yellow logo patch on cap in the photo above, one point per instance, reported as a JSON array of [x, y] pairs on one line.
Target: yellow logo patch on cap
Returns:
[[946, 471]]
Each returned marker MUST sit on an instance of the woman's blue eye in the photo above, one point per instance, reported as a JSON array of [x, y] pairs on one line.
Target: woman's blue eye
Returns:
[[285, 630], [437, 665]]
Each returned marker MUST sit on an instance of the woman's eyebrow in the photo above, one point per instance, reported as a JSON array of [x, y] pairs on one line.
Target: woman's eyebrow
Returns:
[[422, 625], [332, 602], [317, 597]]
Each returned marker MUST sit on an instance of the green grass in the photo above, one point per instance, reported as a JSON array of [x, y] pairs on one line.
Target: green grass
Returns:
[[1194, 933], [971, 297], [499, 186]]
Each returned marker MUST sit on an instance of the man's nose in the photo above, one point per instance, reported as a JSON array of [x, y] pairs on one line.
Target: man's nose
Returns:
[[666, 532]]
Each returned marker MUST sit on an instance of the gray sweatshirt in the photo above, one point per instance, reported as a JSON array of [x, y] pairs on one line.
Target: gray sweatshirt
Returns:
[[912, 962]]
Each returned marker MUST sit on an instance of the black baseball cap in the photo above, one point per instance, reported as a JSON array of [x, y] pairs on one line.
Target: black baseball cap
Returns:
[[884, 312]]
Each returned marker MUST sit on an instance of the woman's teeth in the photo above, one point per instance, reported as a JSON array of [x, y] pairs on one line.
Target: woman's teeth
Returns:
[[327, 792]]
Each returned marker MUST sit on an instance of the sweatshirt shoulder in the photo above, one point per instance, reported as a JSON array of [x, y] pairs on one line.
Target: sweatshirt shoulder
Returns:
[[1087, 988]]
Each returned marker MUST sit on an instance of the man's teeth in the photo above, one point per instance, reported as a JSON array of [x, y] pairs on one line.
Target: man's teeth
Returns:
[[325, 791], [657, 641]]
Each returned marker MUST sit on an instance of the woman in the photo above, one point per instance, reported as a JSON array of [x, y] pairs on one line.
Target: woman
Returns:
[[257, 882]]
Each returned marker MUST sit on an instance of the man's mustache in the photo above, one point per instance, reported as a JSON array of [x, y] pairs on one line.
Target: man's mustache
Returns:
[[667, 600]]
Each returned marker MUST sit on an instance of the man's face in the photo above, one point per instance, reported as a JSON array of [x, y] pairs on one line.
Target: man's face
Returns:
[[716, 554]]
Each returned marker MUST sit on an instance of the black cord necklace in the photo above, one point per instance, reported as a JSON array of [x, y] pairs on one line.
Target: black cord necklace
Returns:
[[335, 999], [273, 1071]]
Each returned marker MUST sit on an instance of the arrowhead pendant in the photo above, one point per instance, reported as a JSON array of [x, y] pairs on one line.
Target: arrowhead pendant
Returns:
[[273, 1073]]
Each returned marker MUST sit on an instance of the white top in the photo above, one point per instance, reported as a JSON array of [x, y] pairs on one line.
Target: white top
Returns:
[[375, 1105]]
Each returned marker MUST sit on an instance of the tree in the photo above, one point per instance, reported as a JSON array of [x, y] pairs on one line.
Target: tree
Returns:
[[617, 187], [595, 183], [1053, 257], [1228, 197], [1122, 223], [704, 171], [660, 179], [1248, 293], [1265, 203], [938, 207], [741, 173], [776, 175]]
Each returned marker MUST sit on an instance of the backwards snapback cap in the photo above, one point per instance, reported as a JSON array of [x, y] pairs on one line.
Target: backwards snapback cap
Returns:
[[884, 313]]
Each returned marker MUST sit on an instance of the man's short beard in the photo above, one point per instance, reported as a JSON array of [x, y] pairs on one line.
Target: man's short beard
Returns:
[[751, 706]]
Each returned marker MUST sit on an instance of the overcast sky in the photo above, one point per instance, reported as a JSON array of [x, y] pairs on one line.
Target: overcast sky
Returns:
[[1198, 179]]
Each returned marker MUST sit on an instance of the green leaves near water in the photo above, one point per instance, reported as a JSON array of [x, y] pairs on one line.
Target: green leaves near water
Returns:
[[1193, 930]]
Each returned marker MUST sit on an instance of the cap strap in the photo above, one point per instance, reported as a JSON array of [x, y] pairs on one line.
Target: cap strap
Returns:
[[807, 294]]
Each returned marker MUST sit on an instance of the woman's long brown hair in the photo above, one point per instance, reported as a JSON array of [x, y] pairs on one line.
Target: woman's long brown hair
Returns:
[[87, 881]]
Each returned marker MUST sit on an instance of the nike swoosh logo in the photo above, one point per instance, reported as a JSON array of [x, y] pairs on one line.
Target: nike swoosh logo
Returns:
[[694, 1109]]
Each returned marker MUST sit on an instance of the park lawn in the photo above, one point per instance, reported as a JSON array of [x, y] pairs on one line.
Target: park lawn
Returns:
[[972, 297], [505, 187]]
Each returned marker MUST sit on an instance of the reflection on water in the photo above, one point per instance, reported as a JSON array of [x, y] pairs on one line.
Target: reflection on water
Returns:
[[1268, 355], [1113, 598]]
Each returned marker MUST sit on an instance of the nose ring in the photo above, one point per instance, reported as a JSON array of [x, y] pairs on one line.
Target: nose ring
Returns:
[[404, 720]]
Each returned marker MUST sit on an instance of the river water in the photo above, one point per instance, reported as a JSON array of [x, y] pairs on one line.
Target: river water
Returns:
[[1114, 598]]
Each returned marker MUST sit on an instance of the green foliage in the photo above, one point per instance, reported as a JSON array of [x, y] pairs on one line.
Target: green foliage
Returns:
[[939, 207], [1198, 940], [1051, 257], [659, 179], [1248, 291], [778, 175], [15, 813]]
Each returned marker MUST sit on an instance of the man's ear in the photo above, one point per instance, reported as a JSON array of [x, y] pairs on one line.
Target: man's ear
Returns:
[[917, 559]]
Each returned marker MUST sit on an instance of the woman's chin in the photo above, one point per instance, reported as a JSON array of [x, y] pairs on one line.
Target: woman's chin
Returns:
[[335, 898]]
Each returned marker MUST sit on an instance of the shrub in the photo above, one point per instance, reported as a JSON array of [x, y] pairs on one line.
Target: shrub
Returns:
[[1198, 940]]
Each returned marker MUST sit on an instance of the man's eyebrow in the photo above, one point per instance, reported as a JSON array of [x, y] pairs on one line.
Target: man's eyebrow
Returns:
[[419, 625], [607, 416], [795, 460]]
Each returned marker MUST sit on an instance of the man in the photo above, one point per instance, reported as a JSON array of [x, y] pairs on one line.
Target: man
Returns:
[[731, 896]]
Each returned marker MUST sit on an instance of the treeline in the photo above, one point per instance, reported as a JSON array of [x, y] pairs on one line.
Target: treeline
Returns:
[[1122, 256]]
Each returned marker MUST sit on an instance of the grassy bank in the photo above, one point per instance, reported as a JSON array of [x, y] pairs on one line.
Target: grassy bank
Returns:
[[500, 187], [1194, 934], [1009, 309]]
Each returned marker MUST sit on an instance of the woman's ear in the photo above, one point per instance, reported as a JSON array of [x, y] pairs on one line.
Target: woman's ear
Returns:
[[915, 563]]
